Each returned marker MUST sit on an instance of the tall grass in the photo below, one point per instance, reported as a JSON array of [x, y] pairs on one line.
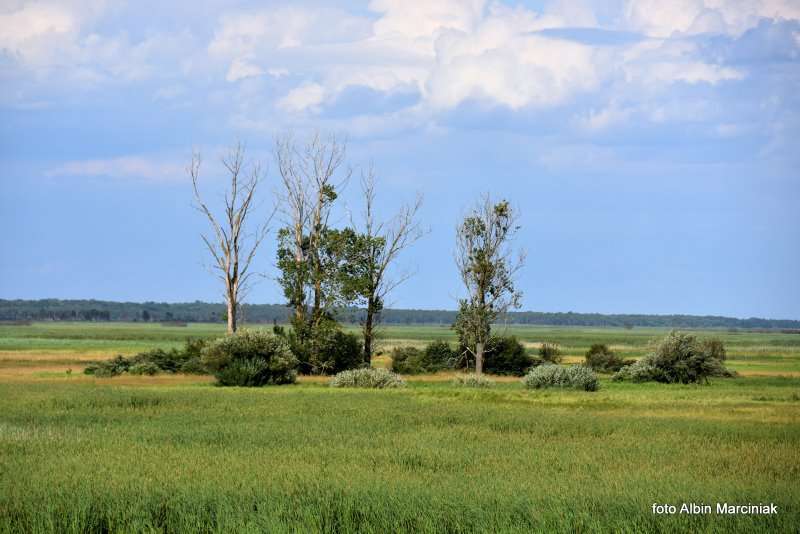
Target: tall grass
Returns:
[[78, 457]]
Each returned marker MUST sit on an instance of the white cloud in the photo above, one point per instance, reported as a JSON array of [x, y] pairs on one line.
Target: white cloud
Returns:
[[661, 18], [126, 167], [307, 96], [241, 68]]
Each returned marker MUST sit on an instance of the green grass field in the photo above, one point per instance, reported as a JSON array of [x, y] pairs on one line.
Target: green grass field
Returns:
[[176, 454]]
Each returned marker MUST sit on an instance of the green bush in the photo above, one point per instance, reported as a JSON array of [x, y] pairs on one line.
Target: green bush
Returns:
[[335, 351], [108, 368], [506, 356], [603, 360], [166, 361], [250, 358], [550, 352], [367, 378], [144, 368], [407, 361], [678, 358], [436, 356], [193, 366], [639, 371], [472, 381], [561, 376], [715, 348]]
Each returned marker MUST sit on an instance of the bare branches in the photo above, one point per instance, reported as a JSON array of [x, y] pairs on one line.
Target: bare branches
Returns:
[[383, 242], [233, 245]]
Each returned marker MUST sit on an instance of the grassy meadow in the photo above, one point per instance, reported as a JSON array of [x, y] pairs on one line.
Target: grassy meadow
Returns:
[[173, 453]]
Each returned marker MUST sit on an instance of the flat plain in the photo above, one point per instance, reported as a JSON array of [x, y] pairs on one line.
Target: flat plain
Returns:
[[173, 453]]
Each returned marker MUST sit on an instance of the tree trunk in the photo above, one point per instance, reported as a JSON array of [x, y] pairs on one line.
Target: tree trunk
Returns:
[[479, 358], [368, 325], [231, 315]]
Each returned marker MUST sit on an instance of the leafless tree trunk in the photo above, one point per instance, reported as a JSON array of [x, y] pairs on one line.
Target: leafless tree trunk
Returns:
[[231, 246], [384, 240]]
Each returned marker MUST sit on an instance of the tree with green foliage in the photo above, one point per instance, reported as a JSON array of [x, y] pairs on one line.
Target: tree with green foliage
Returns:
[[487, 265], [313, 258]]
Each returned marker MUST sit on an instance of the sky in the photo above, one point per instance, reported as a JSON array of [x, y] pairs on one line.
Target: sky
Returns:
[[650, 147]]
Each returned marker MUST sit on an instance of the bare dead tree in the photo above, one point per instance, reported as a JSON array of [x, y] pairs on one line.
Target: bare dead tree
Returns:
[[487, 265], [232, 245], [383, 242]]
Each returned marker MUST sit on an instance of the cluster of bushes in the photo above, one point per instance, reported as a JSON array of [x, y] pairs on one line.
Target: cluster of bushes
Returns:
[[367, 377], [436, 356], [504, 355], [604, 360], [679, 358], [562, 376], [186, 360]]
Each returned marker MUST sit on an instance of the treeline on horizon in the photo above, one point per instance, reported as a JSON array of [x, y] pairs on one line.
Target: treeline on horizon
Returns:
[[207, 312]]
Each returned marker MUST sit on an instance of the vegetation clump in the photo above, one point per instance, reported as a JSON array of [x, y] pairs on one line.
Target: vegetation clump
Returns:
[[507, 356], [678, 358], [367, 377], [250, 358], [144, 368], [561, 376], [325, 349], [550, 352], [436, 356], [604, 360], [153, 361], [472, 381]]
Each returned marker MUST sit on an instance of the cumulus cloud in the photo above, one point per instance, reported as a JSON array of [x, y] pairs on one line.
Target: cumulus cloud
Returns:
[[662, 19]]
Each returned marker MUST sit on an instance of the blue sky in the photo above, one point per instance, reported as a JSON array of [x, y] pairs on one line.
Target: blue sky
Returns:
[[650, 146]]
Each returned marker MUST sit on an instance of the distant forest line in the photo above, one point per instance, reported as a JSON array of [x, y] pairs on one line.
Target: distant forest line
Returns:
[[192, 312]]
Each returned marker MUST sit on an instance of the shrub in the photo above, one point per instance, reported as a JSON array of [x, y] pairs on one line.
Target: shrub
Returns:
[[472, 381], [678, 358], [506, 356], [344, 351], [715, 348], [193, 366], [438, 355], [407, 361], [550, 352], [561, 376], [336, 350], [639, 371], [250, 358], [108, 368], [167, 361], [144, 368], [602, 359], [367, 378]]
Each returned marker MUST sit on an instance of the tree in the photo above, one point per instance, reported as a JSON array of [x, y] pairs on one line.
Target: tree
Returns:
[[310, 253], [487, 266], [378, 248], [234, 243]]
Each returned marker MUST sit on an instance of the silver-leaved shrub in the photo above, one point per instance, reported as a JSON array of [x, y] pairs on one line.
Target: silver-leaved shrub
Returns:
[[561, 376], [367, 378]]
